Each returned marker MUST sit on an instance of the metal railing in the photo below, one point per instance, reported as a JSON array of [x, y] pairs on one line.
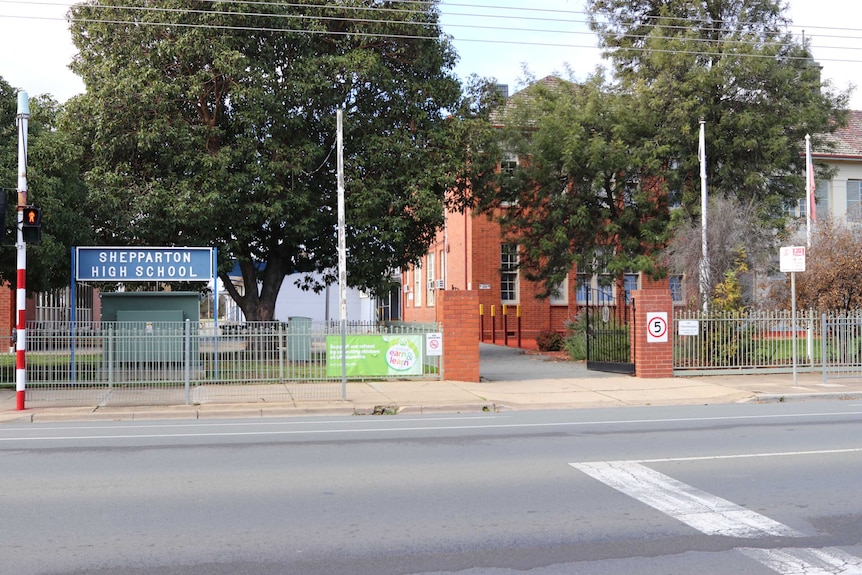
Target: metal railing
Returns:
[[763, 342], [134, 363]]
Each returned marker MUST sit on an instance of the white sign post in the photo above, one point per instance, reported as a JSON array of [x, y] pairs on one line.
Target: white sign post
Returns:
[[792, 259], [656, 327]]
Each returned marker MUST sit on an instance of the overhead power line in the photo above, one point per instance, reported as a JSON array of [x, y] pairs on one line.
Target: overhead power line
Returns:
[[510, 40]]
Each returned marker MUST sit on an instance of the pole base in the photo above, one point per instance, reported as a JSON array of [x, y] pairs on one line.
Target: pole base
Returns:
[[20, 398]]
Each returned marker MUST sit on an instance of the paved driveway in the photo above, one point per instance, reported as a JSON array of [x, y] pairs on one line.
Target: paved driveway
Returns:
[[500, 363]]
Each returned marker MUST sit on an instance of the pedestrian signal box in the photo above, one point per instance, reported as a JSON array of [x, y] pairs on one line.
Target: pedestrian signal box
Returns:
[[31, 230]]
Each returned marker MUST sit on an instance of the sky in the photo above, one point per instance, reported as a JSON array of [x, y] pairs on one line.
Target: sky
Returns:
[[494, 38]]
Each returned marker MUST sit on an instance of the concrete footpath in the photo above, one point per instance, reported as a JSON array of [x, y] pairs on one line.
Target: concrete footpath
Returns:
[[511, 380]]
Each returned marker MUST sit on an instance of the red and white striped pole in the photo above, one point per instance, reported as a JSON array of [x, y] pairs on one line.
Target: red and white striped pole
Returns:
[[21, 250]]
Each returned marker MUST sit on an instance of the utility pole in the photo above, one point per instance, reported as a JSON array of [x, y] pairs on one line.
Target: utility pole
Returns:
[[342, 252], [21, 251]]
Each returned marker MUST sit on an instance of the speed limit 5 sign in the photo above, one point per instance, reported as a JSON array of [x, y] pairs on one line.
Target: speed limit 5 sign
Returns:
[[656, 327]]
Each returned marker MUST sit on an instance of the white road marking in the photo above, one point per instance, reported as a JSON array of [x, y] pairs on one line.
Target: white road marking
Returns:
[[705, 512], [789, 561]]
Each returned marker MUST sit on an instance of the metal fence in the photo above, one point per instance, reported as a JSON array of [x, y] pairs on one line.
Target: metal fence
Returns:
[[763, 342], [133, 363]]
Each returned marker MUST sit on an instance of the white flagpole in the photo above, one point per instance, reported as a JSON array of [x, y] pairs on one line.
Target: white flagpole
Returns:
[[704, 262], [810, 213]]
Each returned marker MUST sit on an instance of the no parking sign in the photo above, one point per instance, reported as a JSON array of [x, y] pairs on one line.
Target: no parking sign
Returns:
[[656, 327]]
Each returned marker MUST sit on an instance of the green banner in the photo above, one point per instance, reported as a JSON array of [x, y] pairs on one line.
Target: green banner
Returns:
[[375, 355]]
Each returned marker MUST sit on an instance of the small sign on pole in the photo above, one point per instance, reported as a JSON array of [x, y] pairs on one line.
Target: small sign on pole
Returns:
[[792, 259]]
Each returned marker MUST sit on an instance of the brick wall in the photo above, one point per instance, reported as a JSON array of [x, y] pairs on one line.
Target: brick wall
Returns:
[[652, 359], [7, 310], [460, 330]]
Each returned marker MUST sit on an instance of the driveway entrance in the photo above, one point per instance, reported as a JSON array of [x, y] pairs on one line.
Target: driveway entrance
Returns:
[[500, 363]]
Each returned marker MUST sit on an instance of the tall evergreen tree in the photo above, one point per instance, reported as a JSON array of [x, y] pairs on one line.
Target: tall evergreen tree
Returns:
[[735, 65], [213, 123], [586, 189]]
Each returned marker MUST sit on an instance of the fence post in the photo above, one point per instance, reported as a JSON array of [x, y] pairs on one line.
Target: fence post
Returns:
[[519, 326], [188, 358], [505, 325], [493, 325], [823, 334], [110, 354], [281, 344]]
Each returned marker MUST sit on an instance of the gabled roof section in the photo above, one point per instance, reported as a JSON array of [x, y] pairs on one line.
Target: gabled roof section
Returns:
[[846, 142]]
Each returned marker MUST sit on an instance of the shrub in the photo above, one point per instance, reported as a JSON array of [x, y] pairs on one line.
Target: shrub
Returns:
[[575, 342], [548, 340]]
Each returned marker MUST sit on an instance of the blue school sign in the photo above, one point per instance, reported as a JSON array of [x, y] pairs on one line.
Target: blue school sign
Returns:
[[112, 264]]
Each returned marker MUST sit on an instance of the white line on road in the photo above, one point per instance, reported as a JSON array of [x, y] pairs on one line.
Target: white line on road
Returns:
[[119, 426], [707, 513], [829, 561]]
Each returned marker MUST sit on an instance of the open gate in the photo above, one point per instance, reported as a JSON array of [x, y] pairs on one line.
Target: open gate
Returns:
[[608, 335]]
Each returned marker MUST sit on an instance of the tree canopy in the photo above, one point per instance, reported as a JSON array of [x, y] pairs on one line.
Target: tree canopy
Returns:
[[214, 123], [736, 66], [609, 166], [833, 277], [54, 184], [584, 190]]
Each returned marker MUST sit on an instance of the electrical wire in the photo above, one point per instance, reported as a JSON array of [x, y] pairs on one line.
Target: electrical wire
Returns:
[[478, 27]]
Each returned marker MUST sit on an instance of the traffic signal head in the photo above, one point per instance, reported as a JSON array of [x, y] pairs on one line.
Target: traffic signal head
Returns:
[[31, 230]]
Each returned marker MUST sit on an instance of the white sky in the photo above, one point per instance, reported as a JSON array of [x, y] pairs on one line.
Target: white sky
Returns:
[[546, 36]]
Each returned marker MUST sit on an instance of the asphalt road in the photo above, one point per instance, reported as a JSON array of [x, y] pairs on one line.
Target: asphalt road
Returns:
[[758, 489]]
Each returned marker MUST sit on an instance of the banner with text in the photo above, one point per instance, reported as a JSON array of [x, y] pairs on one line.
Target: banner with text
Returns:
[[375, 355]]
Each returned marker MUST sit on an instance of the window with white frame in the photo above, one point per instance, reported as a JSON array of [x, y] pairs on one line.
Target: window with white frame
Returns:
[[509, 273], [675, 283], [630, 284], [560, 293], [431, 277], [509, 164], [597, 289], [854, 200], [821, 201], [417, 285]]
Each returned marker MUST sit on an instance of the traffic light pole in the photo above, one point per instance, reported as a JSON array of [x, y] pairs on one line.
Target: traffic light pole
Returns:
[[21, 251]]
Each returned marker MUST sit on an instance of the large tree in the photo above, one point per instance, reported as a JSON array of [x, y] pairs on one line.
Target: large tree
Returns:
[[213, 123], [586, 189], [54, 184], [736, 66]]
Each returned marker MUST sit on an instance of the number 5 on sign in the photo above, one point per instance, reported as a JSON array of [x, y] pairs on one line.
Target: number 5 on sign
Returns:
[[656, 327]]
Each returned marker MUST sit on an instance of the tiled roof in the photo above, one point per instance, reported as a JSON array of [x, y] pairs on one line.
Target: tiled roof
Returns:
[[846, 141], [524, 95]]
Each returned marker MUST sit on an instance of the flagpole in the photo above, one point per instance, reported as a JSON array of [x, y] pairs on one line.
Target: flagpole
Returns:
[[704, 262], [810, 214]]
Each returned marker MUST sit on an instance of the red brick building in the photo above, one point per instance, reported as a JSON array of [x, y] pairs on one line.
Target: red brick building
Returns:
[[472, 254]]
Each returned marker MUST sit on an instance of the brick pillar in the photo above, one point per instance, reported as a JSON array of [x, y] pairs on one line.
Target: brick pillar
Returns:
[[652, 358], [459, 314]]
